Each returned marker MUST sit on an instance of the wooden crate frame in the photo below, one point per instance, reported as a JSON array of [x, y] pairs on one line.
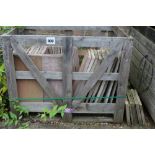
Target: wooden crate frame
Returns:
[[123, 44], [62, 30]]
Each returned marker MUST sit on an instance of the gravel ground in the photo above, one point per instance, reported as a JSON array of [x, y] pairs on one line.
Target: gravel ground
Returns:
[[57, 123]]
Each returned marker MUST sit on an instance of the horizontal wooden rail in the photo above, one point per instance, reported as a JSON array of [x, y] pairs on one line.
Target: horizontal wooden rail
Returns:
[[80, 28], [102, 108], [58, 75], [113, 43]]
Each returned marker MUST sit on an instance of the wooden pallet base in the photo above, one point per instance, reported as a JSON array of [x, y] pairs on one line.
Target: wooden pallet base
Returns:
[[134, 109]]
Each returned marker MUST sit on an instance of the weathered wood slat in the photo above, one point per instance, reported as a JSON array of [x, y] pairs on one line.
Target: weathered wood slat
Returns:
[[104, 85], [45, 28], [114, 43], [58, 75], [134, 80], [28, 88], [101, 84], [10, 70], [111, 84], [94, 108], [127, 112], [142, 49], [135, 114], [33, 69], [148, 71], [86, 108], [99, 119], [133, 107], [81, 69], [139, 56], [141, 112], [105, 42], [142, 65], [53, 64], [67, 75], [131, 114], [146, 97], [119, 32], [87, 61], [113, 92], [143, 40], [123, 82], [147, 31], [96, 64], [98, 73], [146, 76]]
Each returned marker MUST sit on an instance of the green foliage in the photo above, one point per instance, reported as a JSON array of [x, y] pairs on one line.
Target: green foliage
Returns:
[[3, 83], [9, 118], [15, 119], [22, 111], [4, 29], [61, 109], [53, 112], [24, 125], [3, 90]]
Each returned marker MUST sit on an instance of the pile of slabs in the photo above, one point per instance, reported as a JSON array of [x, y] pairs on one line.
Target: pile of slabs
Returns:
[[38, 49], [53, 50], [134, 109], [91, 61]]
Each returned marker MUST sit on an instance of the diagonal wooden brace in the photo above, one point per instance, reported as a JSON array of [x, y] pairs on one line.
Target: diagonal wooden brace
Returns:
[[97, 74], [20, 51]]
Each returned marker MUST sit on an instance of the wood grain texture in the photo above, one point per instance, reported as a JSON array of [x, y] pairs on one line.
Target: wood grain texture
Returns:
[[67, 75], [58, 75], [143, 46], [135, 114], [147, 31], [97, 74], [51, 64], [127, 109], [107, 28], [28, 88], [83, 108], [123, 82], [86, 62], [33, 69], [10, 70], [143, 40], [114, 43]]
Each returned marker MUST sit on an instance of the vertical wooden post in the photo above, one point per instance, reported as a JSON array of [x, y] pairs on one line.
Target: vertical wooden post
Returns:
[[67, 74], [123, 81], [10, 69]]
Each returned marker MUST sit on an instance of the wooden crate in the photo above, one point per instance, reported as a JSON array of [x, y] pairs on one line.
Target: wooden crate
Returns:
[[121, 46]]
